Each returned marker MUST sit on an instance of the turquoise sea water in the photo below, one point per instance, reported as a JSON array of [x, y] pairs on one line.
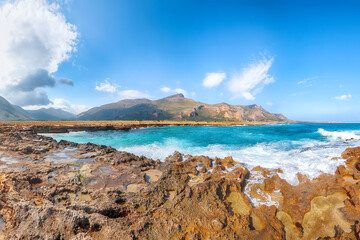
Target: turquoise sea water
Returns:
[[305, 148]]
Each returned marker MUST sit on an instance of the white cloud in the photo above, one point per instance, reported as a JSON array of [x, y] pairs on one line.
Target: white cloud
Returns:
[[303, 81], [131, 94], [106, 86], [180, 90], [251, 80], [165, 89], [35, 97], [35, 36], [269, 103], [306, 81], [176, 90], [213, 79], [62, 104], [343, 97]]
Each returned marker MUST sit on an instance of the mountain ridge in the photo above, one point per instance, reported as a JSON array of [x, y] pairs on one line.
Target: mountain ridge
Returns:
[[48, 114], [10, 112], [177, 107]]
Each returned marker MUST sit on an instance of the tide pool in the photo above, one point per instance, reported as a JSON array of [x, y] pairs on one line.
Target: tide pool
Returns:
[[305, 148]]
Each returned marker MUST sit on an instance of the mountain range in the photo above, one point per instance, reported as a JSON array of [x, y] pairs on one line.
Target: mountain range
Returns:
[[175, 107], [10, 112]]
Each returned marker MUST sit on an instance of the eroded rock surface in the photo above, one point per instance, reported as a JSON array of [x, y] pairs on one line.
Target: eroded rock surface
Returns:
[[64, 190]]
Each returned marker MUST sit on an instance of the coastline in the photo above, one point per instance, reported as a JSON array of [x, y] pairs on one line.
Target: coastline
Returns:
[[97, 191], [74, 126]]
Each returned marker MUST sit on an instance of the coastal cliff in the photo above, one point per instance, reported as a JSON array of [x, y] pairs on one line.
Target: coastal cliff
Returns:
[[64, 190]]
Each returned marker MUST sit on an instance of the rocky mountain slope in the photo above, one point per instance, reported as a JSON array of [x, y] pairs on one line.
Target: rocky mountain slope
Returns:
[[177, 107]]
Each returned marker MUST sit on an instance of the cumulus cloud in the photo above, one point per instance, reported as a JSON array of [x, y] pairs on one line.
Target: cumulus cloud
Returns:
[[35, 97], [182, 91], [40, 78], [63, 104], [131, 94], [105, 86], [213, 79], [35, 39], [343, 97], [176, 90], [108, 87], [251, 80], [165, 89], [66, 81]]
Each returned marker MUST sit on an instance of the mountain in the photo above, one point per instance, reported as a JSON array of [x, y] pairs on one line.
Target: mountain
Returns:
[[10, 112], [177, 107], [50, 114]]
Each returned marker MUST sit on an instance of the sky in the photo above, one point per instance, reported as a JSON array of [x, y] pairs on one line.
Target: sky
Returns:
[[298, 58]]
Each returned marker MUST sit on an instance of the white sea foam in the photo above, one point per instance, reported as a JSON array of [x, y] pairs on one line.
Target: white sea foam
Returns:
[[343, 135], [311, 159], [306, 156]]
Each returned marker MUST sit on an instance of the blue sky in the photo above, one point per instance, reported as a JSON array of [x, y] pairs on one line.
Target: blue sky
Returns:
[[299, 58]]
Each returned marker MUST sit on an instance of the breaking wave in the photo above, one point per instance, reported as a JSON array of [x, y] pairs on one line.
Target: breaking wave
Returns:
[[311, 159], [342, 135], [308, 149]]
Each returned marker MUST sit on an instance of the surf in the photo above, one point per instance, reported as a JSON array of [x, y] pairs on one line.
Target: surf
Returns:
[[309, 149]]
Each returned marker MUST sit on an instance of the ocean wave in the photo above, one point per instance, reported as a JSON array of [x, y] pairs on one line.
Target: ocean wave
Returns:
[[294, 148], [318, 158], [65, 134], [339, 135]]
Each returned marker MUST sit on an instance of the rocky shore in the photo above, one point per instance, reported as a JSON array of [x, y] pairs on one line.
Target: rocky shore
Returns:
[[64, 190], [76, 126]]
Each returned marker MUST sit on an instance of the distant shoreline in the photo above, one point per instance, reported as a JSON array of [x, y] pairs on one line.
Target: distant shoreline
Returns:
[[76, 126]]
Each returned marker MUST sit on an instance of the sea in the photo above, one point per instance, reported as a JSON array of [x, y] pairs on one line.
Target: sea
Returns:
[[306, 148]]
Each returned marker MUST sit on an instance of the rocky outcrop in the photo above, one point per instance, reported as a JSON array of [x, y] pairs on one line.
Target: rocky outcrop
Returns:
[[64, 190]]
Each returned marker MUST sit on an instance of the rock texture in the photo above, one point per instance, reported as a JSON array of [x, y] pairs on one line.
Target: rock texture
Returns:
[[64, 190]]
